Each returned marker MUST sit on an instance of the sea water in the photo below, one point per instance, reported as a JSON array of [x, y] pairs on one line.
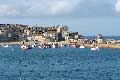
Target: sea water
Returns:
[[59, 64]]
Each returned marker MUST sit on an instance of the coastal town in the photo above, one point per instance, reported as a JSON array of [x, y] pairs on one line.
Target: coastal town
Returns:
[[59, 34]]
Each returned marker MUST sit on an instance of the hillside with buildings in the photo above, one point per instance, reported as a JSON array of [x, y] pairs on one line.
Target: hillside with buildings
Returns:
[[19, 32]]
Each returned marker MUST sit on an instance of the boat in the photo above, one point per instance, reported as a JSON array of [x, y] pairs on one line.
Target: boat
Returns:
[[24, 47], [53, 46], [61, 45], [95, 48], [82, 47], [32, 46], [5, 46], [73, 46], [41, 47]]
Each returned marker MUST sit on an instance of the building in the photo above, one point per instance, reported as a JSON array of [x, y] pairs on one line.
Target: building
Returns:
[[19, 32], [11, 32], [73, 35], [100, 39], [51, 35]]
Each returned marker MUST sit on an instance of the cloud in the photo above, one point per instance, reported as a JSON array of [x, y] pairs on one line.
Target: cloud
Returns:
[[117, 6], [53, 7], [64, 6], [8, 10], [37, 8]]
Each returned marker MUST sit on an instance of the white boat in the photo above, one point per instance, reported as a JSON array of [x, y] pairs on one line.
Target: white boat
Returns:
[[24, 47], [61, 45], [53, 46], [12, 49], [95, 48], [39, 47], [32, 46], [82, 47], [5, 46]]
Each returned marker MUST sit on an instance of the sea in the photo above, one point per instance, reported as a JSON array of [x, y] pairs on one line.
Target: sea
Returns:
[[59, 64]]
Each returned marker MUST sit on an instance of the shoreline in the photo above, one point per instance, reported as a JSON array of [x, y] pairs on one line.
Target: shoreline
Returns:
[[63, 42]]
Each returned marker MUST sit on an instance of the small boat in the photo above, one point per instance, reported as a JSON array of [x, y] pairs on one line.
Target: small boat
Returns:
[[5, 46], [73, 46], [53, 46], [95, 48], [82, 47], [41, 47], [32, 46], [61, 45], [24, 47]]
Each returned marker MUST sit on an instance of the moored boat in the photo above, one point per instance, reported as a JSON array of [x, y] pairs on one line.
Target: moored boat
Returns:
[[5, 46], [24, 47], [82, 47], [73, 46], [32, 46], [53, 46], [61, 45], [95, 48], [41, 47]]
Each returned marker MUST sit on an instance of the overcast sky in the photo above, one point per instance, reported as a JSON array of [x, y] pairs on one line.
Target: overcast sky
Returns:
[[88, 17]]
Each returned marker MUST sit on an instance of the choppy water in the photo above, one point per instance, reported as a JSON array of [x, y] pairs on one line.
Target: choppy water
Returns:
[[59, 64]]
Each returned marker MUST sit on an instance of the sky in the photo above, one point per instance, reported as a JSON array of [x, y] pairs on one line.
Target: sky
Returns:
[[88, 17]]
